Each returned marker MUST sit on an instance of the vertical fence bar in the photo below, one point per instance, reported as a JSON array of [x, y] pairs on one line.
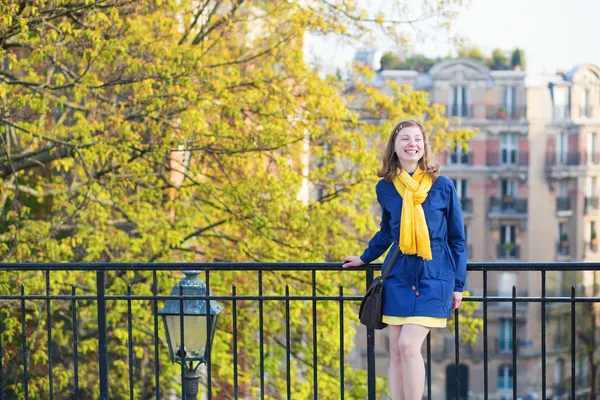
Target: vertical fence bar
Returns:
[[429, 365], [75, 352], [573, 342], [235, 344], [485, 337], [514, 340], [372, 393], [130, 341], [102, 335], [314, 326], [288, 343], [261, 335], [457, 353], [24, 341], [543, 334], [209, 336], [156, 358], [342, 361], [49, 329], [182, 346]]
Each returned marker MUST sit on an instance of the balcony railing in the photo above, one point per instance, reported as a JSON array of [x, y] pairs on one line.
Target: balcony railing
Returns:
[[506, 113], [508, 250], [460, 110], [591, 204], [39, 305], [563, 204], [466, 204], [507, 158], [572, 158], [561, 112], [508, 205], [459, 158]]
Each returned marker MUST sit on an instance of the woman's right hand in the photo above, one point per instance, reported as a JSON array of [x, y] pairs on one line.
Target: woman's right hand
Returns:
[[352, 261]]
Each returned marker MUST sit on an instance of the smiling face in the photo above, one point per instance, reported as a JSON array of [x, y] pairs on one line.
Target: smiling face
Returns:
[[409, 145]]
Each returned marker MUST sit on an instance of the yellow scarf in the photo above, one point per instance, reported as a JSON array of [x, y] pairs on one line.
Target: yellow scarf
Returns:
[[414, 234]]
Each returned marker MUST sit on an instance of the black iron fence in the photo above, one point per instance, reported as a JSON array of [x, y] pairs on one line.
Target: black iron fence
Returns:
[[15, 300]]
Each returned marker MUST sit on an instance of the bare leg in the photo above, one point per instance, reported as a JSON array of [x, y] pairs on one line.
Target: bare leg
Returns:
[[395, 373], [413, 367]]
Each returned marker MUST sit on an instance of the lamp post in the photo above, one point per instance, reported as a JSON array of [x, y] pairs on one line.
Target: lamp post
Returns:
[[199, 326]]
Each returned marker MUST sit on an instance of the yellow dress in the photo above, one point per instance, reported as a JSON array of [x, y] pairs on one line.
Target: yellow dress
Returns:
[[429, 322]]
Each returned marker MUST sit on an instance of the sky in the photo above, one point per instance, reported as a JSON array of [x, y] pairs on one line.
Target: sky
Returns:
[[556, 35]]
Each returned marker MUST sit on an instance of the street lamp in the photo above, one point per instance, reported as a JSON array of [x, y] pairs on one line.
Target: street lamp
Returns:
[[197, 341]]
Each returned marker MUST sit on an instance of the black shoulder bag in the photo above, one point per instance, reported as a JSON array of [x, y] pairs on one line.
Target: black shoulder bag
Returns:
[[370, 312]]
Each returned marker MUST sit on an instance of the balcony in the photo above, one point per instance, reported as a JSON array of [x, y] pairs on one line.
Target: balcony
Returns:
[[563, 205], [571, 164], [507, 158], [562, 249], [456, 158], [508, 250], [508, 205], [591, 205], [561, 112], [572, 158], [466, 204], [507, 114]]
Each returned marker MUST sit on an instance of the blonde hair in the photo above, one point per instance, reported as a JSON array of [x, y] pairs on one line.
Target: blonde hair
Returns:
[[391, 163]]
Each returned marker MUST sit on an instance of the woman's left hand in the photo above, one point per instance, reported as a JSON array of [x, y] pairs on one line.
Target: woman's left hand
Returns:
[[457, 300]]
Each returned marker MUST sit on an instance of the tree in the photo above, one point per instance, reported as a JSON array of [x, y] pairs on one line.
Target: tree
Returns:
[[390, 60], [169, 130], [518, 59], [499, 60], [472, 52]]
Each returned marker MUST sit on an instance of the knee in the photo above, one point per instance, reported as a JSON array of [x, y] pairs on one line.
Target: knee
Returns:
[[395, 355], [408, 349]]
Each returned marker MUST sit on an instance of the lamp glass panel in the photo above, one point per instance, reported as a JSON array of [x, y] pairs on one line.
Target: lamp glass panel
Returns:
[[194, 332]]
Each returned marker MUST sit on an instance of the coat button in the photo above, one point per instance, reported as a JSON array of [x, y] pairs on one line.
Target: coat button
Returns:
[[414, 288], [417, 293]]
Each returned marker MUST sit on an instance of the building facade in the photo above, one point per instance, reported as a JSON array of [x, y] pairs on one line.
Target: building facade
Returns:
[[529, 191]]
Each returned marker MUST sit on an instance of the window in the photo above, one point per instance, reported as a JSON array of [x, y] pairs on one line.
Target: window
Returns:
[[559, 370], [592, 155], [505, 377], [562, 148], [560, 95], [507, 246], [582, 370], [459, 101], [562, 189], [508, 149], [506, 281], [508, 187], [462, 187], [585, 104], [510, 95], [458, 156], [591, 187], [505, 334]]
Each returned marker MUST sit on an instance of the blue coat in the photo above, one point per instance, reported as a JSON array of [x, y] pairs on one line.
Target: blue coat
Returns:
[[415, 287]]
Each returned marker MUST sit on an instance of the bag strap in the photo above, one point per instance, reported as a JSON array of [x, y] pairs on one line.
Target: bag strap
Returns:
[[387, 268]]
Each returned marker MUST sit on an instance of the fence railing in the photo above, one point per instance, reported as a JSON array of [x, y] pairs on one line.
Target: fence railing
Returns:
[[104, 272]]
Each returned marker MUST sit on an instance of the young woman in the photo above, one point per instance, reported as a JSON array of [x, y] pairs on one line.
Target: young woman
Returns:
[[421, 213]]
